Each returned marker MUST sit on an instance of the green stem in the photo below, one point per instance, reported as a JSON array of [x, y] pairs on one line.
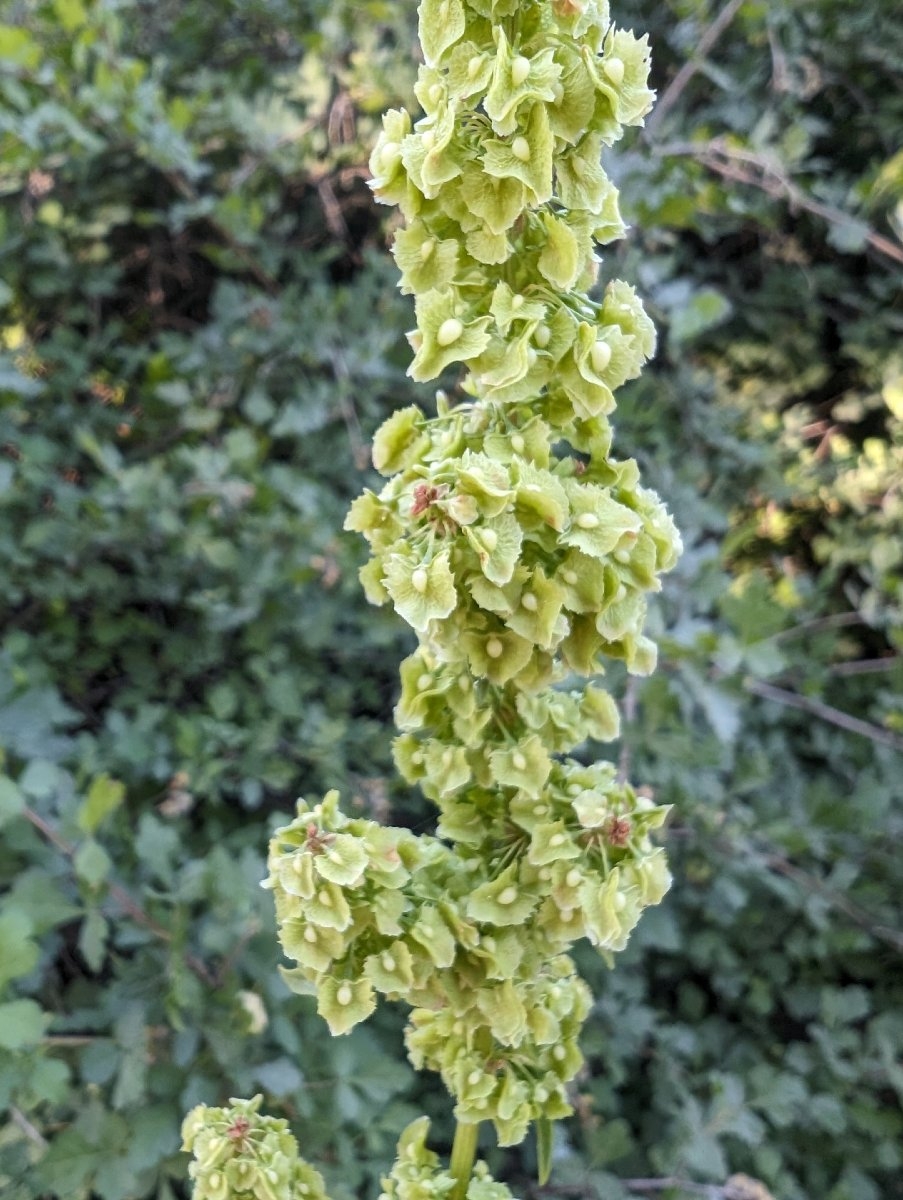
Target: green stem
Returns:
[[464, 1151]]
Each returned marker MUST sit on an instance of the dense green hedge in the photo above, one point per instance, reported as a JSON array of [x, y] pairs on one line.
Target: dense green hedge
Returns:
[[198, 332]]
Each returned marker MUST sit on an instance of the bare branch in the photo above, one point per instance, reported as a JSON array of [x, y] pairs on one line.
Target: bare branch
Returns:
[[260, 275], [817, 708], [332, 210], [818, 625], [33, 1134], [867, 666], [748, 167], [222, 972], [670, 1183], [738, 1187], [864, 919], [359, 449], [126, 902], [673, 91], [630, 701]]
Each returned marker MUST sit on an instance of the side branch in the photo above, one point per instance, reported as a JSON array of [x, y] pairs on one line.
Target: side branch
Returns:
[[738, 1187], [859, 916], [746, 166], [825, 712], [126, 902], [675, 88]]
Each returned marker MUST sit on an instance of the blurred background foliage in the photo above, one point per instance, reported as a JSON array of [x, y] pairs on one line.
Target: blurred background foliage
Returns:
[[199, 332]]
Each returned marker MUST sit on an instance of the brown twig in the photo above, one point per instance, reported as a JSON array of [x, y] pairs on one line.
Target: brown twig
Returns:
[[748, 167], [630, 703], [818, 625], [126, 902], [672, 1183], [859, 916], [780, 76], [673, 91], [222, 971], [359, 449], [825, 712], [714, 1191], [260, 275], [866, 666], [332, 210], [246, 171], [33, 1134]]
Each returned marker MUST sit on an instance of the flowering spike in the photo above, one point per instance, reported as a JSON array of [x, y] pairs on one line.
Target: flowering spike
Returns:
[[520, 551]]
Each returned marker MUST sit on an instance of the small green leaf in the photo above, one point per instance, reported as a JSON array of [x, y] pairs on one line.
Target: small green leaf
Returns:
[[399, 442], [343, 861], [92, 939], [421, 592], [559, 261], [22, 1023], [39, 779], [71, 14], [50, 1080], [104, 796], [18, 47], [442, 23], [706, 309], [92, 863], [18, 952], [70, 1160], [12, 802]]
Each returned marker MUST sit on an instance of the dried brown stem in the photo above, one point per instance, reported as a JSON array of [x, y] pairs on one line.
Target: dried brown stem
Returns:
[[672, 1183], [748, 167], [818, 625], [33, 1134], [825, 712], [359, 449], [860, 916], [739, 1190], [126, 902], [630, 703], [675, 88], [866, 666], [260, 275]]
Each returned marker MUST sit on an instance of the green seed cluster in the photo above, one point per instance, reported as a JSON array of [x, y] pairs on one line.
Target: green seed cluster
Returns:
[[522, 554], [417, 1174], [471, 928], [241, 1155], [507, 536]]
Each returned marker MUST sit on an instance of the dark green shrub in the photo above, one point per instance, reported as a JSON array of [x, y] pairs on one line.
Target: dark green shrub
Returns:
[[191, 359]]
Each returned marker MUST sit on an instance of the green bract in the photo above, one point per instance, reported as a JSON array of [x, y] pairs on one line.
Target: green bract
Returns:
[[516, 563]]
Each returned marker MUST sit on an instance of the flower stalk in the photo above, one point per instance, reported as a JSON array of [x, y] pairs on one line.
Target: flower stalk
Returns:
[[522, 552], [463, 1155]]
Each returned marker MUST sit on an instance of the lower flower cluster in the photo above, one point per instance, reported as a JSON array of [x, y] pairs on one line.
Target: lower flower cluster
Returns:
[[507, 1050], [417, 1174], [473, 931], [241, 1155]]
